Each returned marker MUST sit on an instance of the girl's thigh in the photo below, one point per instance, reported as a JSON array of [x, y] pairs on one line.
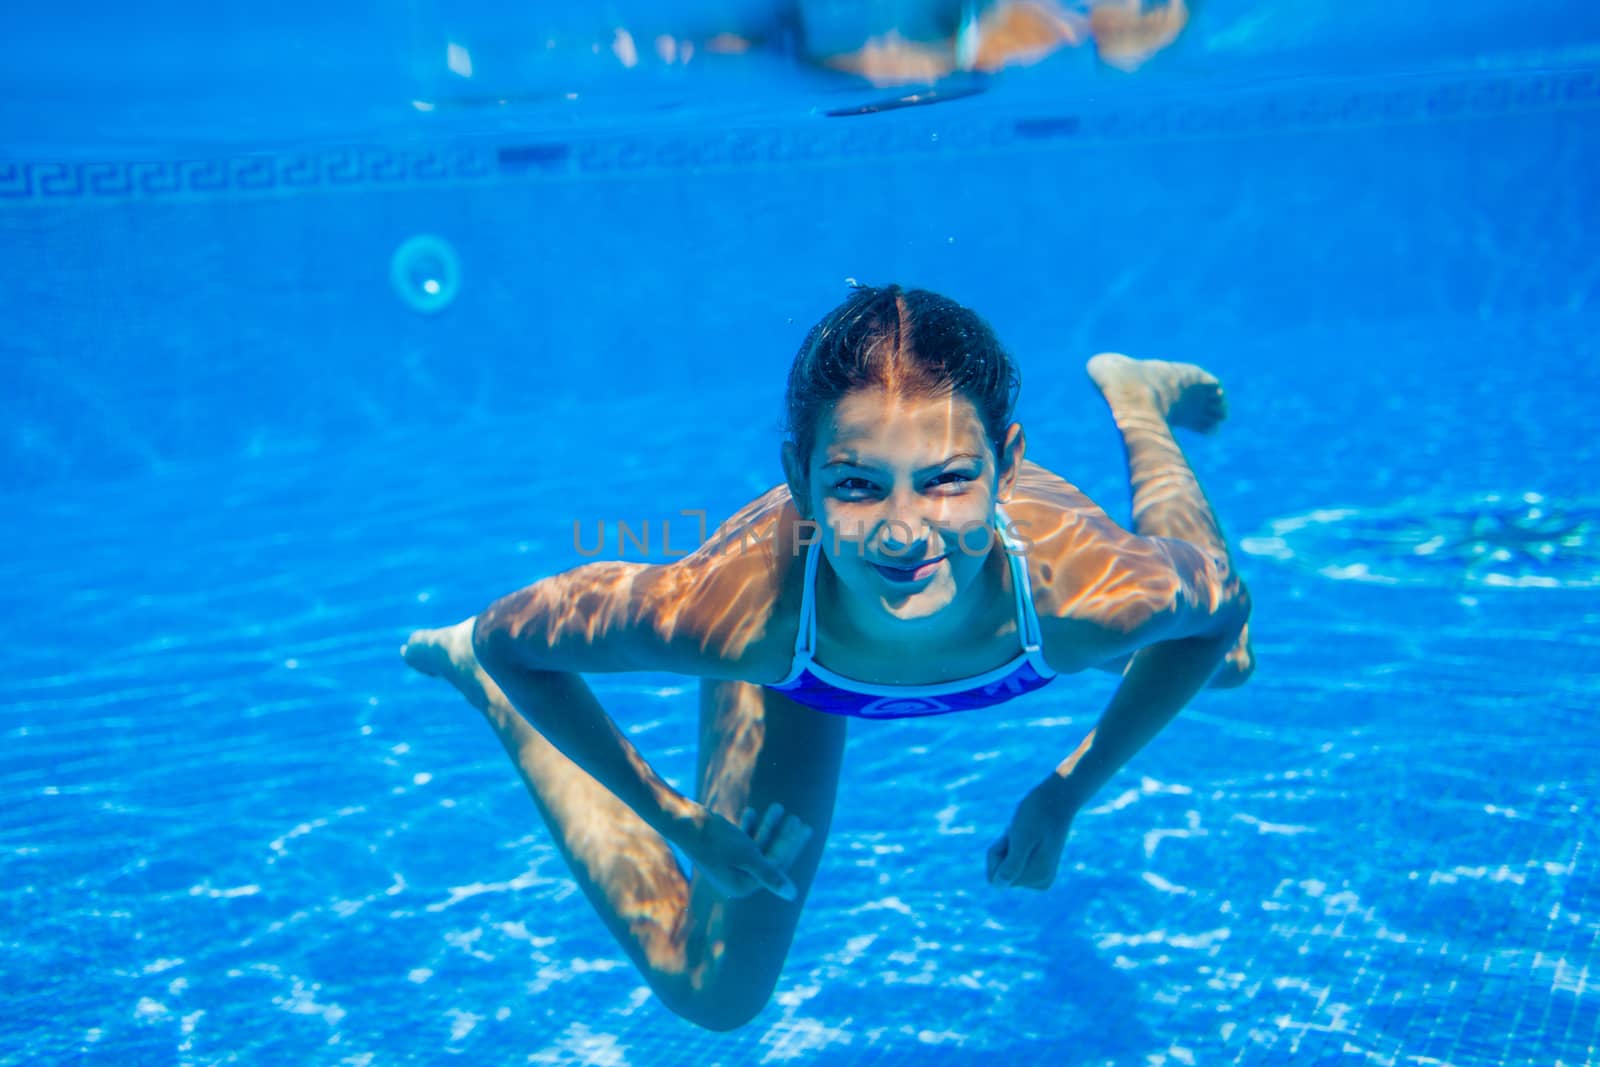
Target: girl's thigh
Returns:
[[758, 747]]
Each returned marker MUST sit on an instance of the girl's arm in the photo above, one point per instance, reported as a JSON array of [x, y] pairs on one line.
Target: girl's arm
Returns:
[[1188, 618], [548, 699], [1159, 681], [561, 707], [711, 614], [608, 616], [706, 615], [1178, 611], [731, 856]]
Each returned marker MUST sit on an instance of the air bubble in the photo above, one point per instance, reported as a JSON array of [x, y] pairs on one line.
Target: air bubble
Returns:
[[426, 273]]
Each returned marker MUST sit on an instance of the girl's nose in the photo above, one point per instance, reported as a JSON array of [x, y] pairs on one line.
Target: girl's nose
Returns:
[[903, 531]]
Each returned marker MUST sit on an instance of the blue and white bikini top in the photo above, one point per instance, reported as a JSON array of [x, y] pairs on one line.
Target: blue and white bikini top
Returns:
[[815, 686]]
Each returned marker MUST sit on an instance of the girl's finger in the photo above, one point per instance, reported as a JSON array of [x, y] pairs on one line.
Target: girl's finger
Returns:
[[1015, 863], [997, 852], [747, 821], [791, 838], [769, 825]]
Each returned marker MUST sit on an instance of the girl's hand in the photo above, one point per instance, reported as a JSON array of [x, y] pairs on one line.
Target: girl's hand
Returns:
[[754, 855], [1027, 854]]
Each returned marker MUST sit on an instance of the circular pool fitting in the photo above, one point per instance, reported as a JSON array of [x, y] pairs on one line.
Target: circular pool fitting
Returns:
[[426, 273], [1505, 540]]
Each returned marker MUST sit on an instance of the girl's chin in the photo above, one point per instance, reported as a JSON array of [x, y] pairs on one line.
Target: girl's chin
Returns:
[[915, 602], [920, 604]]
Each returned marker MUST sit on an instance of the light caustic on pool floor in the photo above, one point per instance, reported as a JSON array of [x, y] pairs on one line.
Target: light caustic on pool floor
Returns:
[[1518, 540]]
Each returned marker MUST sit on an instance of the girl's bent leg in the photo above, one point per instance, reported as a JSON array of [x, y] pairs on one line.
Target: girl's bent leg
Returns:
[[757, 748], [625, 868], [711, 959], [1147, 398]]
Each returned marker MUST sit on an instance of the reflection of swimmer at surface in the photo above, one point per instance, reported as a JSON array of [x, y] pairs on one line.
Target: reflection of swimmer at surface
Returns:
[[913, 563], [1125, 34], [1001, 34]]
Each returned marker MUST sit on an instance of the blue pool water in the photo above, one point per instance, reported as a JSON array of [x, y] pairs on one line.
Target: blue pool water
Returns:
[[245, 455]]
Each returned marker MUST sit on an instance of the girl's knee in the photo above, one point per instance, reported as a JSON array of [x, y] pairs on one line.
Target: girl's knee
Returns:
[[721, 1008], [729, 987]]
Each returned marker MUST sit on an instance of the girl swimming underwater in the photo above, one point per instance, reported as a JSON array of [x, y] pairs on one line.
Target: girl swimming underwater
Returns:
[[913, 563]]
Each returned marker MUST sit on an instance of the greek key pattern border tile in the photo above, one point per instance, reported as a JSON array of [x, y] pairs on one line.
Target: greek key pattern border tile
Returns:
[[932, 131]]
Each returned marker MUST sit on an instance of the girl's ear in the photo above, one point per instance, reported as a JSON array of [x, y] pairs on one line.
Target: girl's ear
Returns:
[[1011, 452], [794, 472]]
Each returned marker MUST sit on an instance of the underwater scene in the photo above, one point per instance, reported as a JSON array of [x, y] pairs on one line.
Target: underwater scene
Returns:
[[468, 465]]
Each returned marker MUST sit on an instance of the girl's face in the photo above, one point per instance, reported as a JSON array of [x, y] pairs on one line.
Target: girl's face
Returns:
[[904, 489]]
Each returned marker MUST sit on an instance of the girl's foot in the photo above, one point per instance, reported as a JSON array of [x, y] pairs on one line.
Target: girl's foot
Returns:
[[1184, 394], [447, 653]]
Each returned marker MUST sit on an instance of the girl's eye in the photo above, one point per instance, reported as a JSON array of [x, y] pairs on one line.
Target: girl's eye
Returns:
[[952, 478], [863, 485]]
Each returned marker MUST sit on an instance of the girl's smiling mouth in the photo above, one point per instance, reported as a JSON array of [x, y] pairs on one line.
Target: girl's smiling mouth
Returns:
[[915, 573]]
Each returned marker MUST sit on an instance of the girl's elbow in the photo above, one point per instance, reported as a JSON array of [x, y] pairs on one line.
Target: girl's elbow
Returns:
[[1215, 613], [1233, 608]]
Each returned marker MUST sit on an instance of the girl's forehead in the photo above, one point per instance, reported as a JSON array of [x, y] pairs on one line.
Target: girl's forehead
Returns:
[[875, 422], [868, 410]]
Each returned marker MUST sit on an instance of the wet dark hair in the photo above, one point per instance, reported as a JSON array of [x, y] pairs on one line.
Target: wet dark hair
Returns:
[[907, 341]]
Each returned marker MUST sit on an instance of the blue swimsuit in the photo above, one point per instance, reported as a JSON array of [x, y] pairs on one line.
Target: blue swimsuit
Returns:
[[815, 686]]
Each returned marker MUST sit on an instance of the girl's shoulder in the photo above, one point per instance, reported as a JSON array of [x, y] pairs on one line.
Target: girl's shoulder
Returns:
[[1054, 520], [1089, 574], [737, 596], [726, 610]]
